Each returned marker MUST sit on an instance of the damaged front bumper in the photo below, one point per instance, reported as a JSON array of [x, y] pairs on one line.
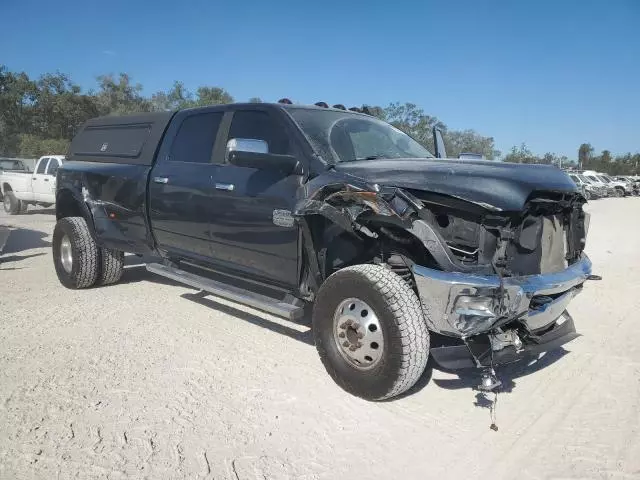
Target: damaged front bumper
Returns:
[[491, 315]]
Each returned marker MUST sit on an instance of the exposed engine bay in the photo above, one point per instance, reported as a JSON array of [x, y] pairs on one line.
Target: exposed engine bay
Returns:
[[449, 233]]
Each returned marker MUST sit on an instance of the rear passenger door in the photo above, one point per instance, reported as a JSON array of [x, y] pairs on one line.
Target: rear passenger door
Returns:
[[40, 183], [181, 184], [245, 233], [49, 192]]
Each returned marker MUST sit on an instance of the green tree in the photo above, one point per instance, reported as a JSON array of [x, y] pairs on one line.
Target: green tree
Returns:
[[120, 96], [17, 95], [521, 154], [584, 155], [549, 159], [415, 122], [60, 107], [176, 98], [457, 142], [212, 96], [34, 146]]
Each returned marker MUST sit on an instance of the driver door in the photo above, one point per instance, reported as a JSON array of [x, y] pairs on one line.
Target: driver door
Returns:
[[252, 229]]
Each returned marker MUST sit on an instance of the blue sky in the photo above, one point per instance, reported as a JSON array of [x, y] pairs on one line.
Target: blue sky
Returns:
[[552, 74]]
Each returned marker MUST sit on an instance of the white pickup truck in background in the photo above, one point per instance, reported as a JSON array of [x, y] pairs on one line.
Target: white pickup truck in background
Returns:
[[21, 189]]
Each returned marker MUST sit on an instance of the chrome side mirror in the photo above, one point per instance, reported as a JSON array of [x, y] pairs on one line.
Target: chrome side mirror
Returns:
[[249, 145]]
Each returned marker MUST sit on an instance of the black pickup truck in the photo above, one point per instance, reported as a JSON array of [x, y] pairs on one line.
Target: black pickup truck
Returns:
[[401, 253]]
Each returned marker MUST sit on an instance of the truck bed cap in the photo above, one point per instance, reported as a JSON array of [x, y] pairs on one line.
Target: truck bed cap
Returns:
[[130, 139]]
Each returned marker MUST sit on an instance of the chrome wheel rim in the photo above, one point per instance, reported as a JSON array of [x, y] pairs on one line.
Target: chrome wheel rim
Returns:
[[358, 334], [66, 255]]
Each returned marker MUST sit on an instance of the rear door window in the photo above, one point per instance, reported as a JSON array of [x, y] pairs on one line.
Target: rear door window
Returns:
[[42, 166], [259, 125], [54, 164], [195, 138]]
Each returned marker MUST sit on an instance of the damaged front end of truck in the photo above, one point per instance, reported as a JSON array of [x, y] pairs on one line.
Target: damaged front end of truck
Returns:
[[494, 277]]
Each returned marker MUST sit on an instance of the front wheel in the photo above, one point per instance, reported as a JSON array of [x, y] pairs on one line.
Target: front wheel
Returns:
[[370, 332], [75, 253]]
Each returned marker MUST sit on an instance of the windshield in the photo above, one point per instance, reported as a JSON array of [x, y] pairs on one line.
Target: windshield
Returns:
[[604, 179], [592, 179], [347, 137], [582, 179]]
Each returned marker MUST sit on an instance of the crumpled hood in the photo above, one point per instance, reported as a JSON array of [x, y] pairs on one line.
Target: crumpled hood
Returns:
[[504, 186]]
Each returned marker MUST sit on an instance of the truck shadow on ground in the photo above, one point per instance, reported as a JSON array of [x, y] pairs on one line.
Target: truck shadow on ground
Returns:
[[138, 273], [135, 271], [202, 298], [21, 239], [470, 378]]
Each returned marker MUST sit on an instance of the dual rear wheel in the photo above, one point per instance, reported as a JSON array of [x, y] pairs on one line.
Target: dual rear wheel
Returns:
[[78, 261]]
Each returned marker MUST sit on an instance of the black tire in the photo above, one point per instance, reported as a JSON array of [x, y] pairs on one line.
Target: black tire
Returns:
[[111, 266], [84, 252], [24, 206], [404, 330], [11, 204], [619, 192]]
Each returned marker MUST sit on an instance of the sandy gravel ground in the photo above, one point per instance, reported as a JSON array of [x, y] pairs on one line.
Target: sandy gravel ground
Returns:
[[147, 379]]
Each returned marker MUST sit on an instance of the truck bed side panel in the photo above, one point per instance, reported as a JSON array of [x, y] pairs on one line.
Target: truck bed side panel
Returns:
[[115, 195], [19, 183]]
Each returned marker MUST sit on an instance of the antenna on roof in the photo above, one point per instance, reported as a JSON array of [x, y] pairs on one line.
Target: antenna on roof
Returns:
[[286, 101]]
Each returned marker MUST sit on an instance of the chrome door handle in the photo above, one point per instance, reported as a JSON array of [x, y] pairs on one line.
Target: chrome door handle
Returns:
[[225, 186], [160, 180]]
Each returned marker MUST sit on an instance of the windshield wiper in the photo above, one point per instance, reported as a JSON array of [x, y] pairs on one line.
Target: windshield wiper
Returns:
[[370, 157]]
